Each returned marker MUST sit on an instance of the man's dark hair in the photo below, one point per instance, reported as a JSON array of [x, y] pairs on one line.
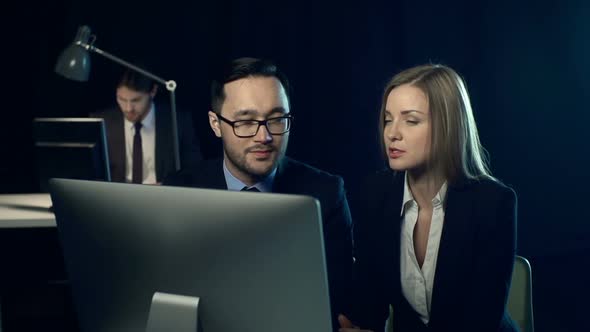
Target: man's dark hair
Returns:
[[242, 68], [136, 81]]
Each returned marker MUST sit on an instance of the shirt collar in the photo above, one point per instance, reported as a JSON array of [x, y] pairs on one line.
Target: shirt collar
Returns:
[[234, 184], [148, 121], [438, 199]]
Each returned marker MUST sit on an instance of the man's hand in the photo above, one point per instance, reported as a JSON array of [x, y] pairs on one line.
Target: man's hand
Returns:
[[347, 326]]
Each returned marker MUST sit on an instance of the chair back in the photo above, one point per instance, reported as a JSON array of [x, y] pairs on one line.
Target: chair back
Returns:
[[520, 297]]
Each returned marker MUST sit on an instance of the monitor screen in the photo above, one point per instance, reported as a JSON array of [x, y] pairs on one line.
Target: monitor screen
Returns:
[[73, 148], [255, 260]]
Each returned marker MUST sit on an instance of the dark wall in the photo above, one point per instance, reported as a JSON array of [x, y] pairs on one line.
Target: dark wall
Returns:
[[526, 65]]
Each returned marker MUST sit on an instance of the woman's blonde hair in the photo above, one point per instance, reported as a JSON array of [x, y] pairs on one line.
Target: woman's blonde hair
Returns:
[[455, 147]]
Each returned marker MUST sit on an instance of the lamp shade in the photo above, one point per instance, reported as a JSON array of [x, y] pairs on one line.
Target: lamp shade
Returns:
[[74, 62]]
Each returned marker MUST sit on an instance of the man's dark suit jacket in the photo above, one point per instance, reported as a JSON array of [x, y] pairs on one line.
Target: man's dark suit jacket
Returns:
[[474, 266], [294, 177], [188, 146]]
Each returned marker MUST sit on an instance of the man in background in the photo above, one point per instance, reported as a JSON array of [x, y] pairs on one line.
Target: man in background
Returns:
[[139, 134]]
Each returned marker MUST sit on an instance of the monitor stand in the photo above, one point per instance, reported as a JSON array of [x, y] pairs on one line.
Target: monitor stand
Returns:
[[171, 312]]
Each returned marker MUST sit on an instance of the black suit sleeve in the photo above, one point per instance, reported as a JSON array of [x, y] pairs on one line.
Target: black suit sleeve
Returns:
[[338, 243], [182, 178], [492, 273]]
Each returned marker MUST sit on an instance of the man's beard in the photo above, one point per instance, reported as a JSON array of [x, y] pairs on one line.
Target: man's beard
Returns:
[[239, 160]]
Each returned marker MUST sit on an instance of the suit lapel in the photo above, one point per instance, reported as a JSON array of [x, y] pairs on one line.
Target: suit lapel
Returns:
[[282, 183], [392, 220], [211, 175], [452, 268]]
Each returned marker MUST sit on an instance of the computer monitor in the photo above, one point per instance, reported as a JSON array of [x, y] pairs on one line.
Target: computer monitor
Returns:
[[255, 260], [73, 148]]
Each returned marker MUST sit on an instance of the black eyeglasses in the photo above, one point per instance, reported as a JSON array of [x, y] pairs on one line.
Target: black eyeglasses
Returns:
[[249, 128]]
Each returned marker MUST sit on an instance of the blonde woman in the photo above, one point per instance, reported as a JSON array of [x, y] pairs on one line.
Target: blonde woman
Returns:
[[436, 235]]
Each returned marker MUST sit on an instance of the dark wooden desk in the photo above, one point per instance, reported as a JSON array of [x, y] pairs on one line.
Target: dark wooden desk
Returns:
[[34, 292]]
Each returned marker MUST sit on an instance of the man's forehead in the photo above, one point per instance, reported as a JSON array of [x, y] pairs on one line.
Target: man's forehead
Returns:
[[261, 86], [278, 111], [125, 92], [256, 96]]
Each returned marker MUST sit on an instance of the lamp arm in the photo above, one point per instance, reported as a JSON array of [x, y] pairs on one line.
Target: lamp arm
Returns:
[[174, 127], [170, 86]]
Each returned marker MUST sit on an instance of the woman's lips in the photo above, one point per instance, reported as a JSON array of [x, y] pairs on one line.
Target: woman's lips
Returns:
[[395, 153]]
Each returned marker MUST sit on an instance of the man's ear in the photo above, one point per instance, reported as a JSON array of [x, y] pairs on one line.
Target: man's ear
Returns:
[[214, 123]]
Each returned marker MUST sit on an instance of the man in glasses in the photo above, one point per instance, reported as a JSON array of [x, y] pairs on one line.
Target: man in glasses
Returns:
[[252, 116]]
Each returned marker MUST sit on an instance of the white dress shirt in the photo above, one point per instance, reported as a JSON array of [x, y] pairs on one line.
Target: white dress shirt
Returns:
[[148, 144], [417, 282]]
